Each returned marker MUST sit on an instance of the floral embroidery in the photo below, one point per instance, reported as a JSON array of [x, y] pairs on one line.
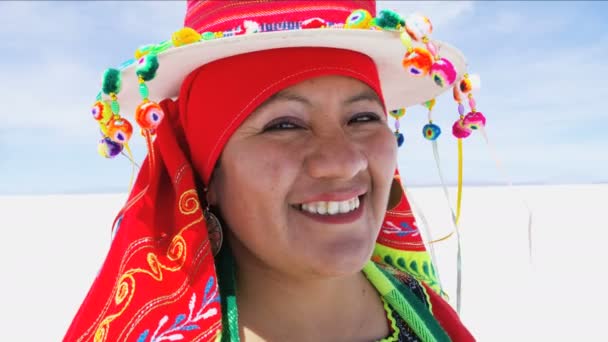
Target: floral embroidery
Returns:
[[404, 229], [185, 322]]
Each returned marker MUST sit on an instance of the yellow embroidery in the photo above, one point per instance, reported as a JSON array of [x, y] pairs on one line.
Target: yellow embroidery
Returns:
[[124, 291], [189, 203]]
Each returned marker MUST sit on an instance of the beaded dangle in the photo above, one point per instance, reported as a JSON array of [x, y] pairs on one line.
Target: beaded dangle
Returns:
[[473, 120], [430, 131], [116, 130], [398, 114], [425, 61], [148, 114]]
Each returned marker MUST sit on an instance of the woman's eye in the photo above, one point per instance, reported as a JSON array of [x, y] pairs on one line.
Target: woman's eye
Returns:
[[365, 117], [280, 125]]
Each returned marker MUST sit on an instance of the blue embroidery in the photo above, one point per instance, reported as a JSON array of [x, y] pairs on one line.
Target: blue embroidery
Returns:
[[404, 229], [186, 322]]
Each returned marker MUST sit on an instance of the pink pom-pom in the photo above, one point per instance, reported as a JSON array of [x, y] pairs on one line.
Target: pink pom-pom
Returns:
[[474, 120], [443, 73], [459, 130]]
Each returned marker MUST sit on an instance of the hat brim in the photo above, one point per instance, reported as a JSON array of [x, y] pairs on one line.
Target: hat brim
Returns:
[[400, 89]]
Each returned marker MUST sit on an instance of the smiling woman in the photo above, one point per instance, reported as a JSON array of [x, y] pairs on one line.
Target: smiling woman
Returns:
[[268, 207]]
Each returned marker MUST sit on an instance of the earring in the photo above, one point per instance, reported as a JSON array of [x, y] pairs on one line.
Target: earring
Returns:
[[214, 230]]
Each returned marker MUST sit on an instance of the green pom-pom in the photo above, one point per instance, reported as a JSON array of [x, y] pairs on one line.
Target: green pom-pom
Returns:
[[389, 20], [147, 67], [111, 81]]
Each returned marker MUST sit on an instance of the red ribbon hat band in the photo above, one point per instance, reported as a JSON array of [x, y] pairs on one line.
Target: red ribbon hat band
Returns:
[[159, 281]]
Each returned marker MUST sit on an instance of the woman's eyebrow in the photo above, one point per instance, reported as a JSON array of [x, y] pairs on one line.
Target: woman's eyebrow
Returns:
[[366, 95], [286, 96]]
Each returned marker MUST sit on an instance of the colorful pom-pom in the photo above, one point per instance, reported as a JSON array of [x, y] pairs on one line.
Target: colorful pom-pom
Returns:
[[102, 111], [148, 115], [313, 23], [459, 130], [400, 139], [443, 73], [397, 113], [389, 20], [474, 120], [430, 104], [111, 81], [119, 130], [431, 131], [418, 62], [208, 35], [465, 85], [184, 36], [108, 148], [418, 26], [147, 67], [359, 19]]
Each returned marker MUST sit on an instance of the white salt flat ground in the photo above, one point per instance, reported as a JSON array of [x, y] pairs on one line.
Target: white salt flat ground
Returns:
[[53, 245]]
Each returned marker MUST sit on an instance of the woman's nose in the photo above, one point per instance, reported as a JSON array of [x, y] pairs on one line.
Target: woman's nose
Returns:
[[336, 156]]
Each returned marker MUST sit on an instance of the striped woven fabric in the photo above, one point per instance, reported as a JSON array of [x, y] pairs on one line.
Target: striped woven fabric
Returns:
[[271, 15]]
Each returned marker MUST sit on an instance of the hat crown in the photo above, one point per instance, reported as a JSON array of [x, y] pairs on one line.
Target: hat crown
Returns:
[[270, 15]]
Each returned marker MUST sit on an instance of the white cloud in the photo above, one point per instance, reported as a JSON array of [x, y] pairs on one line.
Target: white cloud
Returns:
[[53, 70], [441, 13]]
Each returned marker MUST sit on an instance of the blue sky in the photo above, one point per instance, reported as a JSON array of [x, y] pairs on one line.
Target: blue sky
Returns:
[[542, 66]]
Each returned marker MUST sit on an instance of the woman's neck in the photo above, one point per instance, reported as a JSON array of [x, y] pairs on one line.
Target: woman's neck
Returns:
[[277, 307]]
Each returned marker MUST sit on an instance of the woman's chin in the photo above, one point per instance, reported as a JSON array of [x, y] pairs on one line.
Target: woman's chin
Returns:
[[340, 261]]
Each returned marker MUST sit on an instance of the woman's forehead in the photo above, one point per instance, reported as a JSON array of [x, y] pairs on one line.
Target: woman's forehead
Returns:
[[343, 89]]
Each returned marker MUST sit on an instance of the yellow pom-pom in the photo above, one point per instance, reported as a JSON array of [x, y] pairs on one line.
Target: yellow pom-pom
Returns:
[[359, 19], [185, 36]]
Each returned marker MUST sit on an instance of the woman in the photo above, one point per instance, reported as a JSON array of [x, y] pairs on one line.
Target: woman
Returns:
[[265, 191]]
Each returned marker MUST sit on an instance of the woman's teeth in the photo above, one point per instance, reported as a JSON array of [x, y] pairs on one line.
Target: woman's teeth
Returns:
[[331, 207]]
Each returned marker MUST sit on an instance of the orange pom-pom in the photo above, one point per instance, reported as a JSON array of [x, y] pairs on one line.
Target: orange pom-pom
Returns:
[[466, 86], [120, 130], [148, 115], [418, 61]]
